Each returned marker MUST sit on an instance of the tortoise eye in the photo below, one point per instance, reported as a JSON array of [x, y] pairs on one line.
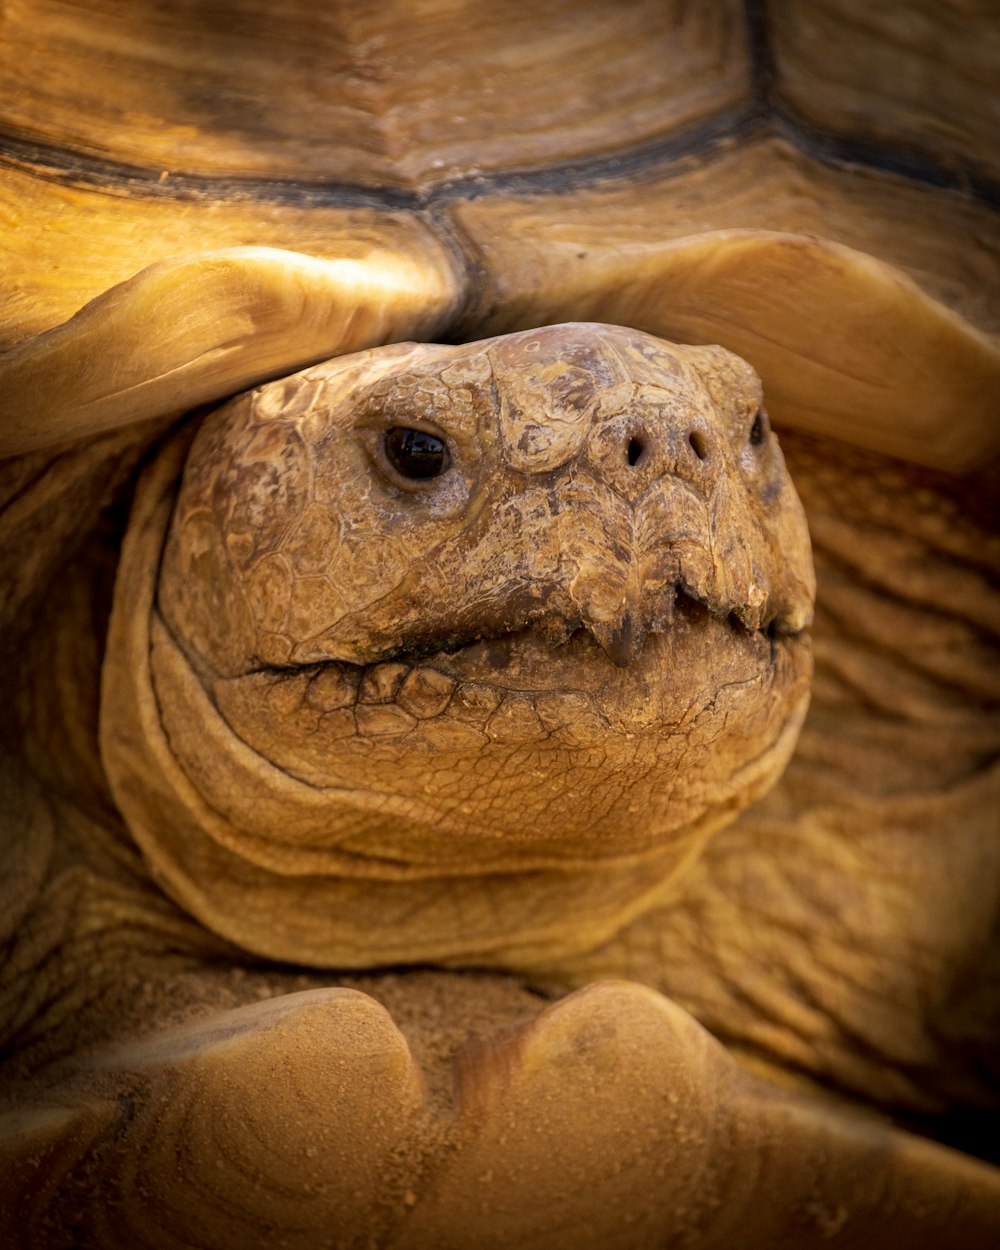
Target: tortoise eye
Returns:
[[758, 431], [415, 453]]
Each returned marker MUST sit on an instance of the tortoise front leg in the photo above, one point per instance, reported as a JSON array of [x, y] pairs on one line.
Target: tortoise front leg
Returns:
[[612, 1118]]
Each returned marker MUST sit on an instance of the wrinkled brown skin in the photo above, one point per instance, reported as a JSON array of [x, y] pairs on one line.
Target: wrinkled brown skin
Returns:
[[444, 714], [612, 1114]]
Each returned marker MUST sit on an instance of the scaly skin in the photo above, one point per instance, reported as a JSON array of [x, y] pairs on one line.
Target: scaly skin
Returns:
[[312, 1116], [845, 927]]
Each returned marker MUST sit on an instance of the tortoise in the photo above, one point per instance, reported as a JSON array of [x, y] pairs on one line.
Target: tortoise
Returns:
[[396, 852]]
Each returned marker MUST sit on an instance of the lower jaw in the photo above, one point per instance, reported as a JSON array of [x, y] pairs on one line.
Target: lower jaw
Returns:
[[398, 854], [542, 754]]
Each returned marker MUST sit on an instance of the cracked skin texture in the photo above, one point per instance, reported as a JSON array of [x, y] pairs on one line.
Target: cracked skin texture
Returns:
[[459, 1094], [483, 717]]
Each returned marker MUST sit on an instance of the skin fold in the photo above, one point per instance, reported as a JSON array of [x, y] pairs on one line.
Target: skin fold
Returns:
[[253, 797]]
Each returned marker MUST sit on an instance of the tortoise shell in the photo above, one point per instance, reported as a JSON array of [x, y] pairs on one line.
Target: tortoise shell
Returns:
[[464, 173]]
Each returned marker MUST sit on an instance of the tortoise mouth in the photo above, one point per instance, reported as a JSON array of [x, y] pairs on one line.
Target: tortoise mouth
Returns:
[[496, 641], [473, 741]]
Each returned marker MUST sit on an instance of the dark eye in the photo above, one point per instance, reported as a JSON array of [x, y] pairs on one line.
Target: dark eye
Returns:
[[758, 431], [415, 453]]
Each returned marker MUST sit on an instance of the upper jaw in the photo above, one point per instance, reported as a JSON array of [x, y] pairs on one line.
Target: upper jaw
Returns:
[[556, 618]]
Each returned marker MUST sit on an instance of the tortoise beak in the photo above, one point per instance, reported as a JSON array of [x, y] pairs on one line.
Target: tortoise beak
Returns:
[[620, 623], [622, 642]]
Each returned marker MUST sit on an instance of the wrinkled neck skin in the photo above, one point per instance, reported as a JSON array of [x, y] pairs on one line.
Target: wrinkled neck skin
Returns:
[[884, 824], [484, 712]]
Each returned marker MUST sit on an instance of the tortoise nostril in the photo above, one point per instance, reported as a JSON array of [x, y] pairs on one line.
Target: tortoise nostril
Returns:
[[636, 448], [698, 444]]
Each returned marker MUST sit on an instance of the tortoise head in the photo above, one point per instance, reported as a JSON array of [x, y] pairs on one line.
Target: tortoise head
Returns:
[[520, 606]]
